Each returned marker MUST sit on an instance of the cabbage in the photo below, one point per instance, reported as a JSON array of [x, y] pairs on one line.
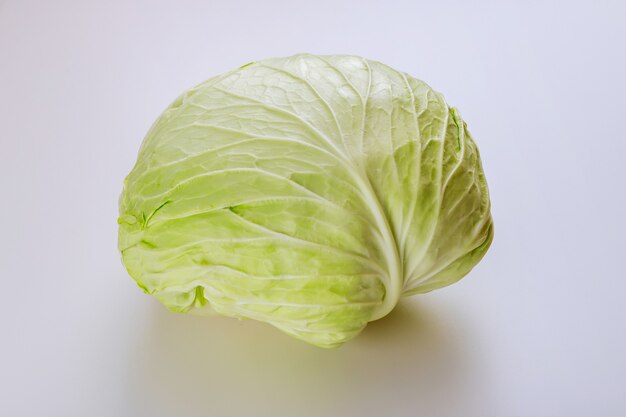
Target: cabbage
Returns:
[[308, 192]]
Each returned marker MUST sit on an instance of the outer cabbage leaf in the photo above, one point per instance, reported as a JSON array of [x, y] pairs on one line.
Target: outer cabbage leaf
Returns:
[[308, 192]]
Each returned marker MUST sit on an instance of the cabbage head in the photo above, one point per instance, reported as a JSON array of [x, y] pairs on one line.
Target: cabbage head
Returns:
[[308, 192]]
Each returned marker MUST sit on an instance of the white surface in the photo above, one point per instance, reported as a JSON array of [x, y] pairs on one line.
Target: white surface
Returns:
[[537, 329]]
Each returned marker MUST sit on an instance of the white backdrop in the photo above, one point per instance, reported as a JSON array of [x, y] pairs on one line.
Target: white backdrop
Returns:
[[537, 329]]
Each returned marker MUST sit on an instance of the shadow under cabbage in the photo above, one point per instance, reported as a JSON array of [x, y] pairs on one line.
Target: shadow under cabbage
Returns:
[[186, 365]]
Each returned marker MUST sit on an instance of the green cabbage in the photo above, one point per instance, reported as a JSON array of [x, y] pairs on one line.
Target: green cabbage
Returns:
[[308, 192]]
